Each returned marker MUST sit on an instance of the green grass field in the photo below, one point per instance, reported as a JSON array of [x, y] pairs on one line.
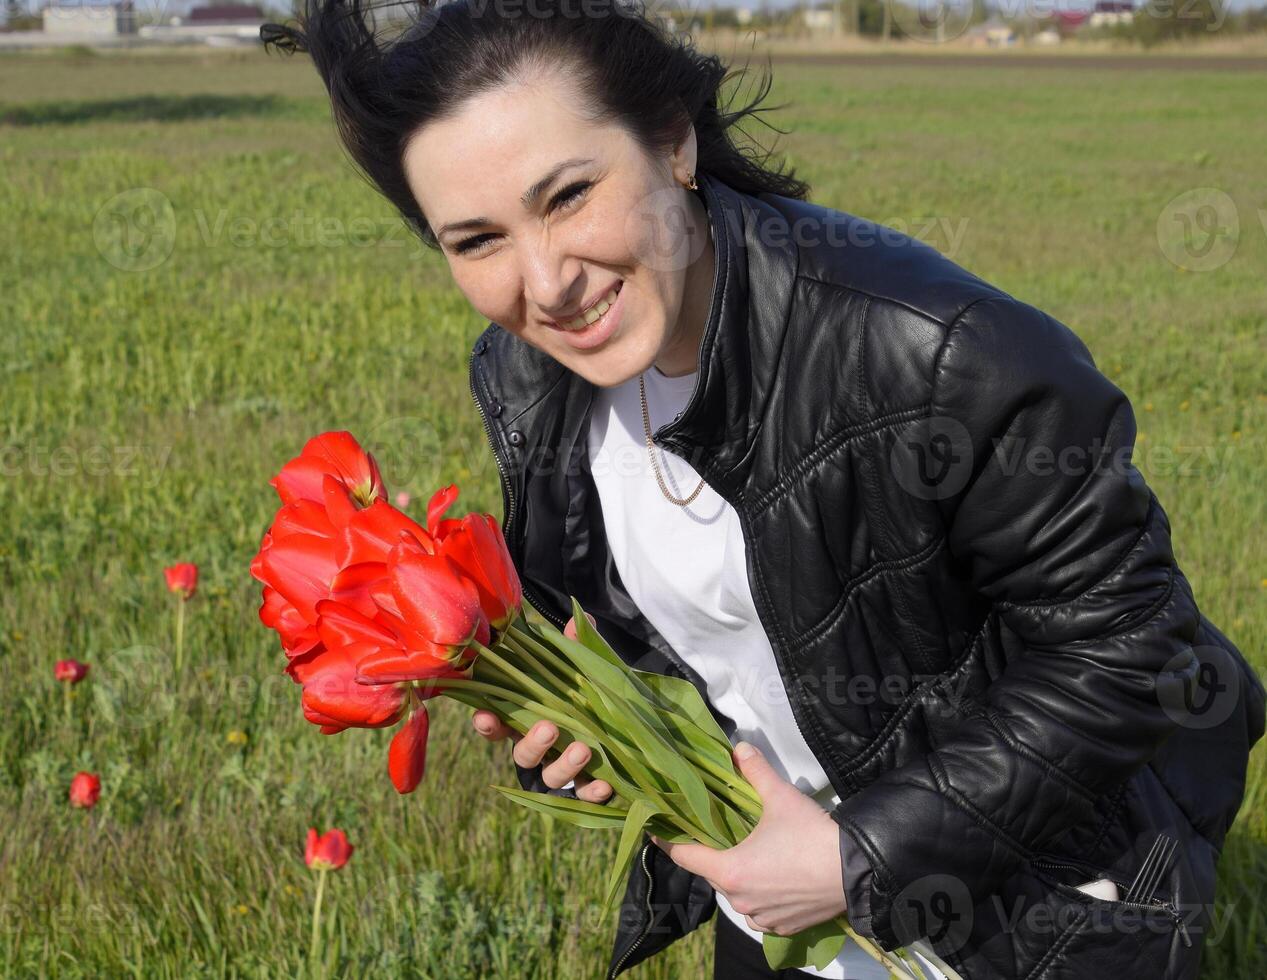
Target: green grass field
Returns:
[[144, 409]]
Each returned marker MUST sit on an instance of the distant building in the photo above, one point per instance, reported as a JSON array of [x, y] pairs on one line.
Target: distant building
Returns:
[[81, 19], [1109, 12], [1070, 21], [226, 13], [819, 21], [992, 33]]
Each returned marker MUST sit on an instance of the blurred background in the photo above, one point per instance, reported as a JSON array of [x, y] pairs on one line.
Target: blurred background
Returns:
[[195, 281]]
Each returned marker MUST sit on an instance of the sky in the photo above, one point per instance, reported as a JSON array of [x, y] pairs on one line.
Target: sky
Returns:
[[180, 7]]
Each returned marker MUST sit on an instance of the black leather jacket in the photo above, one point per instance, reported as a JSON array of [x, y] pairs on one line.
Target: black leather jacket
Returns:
[[969, 590]]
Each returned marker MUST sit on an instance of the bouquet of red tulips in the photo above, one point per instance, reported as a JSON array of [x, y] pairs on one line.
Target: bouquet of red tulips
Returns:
[[377, 614]]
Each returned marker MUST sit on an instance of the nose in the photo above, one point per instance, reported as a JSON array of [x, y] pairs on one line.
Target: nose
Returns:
[[551, 276]]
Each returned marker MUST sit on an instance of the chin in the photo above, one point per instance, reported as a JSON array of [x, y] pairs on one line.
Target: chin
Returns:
[[614, 366]]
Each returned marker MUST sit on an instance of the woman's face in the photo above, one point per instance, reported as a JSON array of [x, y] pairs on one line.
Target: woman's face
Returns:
[[556, 214]]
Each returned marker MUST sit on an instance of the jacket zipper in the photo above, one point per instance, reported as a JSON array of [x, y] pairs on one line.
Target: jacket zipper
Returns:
[[1151, 904], [508, 501], [650, 916]]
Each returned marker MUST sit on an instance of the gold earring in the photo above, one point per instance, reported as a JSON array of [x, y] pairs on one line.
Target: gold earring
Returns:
[[690, 183]]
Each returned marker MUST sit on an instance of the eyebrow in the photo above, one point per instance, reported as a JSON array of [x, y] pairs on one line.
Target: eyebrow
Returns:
[[529, 197]]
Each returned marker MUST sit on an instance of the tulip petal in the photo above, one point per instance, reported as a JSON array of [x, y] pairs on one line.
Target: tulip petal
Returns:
[[353, 586], [335, 454], [407, 756], [438, 604], [387, 666], [370, 534], [479, 551], [331, 690], [440, 501], [300, 567]]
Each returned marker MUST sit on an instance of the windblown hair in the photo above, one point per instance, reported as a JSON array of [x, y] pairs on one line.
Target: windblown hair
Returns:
[[387, 80]]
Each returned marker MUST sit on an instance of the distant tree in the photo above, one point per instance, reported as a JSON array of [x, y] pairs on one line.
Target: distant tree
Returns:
[[1158, 21]]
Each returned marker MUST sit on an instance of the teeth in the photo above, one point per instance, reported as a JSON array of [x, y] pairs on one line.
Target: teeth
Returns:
[[592, 314]]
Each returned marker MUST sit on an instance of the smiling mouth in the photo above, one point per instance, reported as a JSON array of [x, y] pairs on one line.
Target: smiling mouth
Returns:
[[595, 312]]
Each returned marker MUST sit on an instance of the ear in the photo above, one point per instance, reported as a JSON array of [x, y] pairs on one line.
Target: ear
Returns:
[[685, 157]]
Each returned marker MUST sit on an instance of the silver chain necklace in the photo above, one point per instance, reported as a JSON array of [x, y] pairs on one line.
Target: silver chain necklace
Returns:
[[655, 466], [646, 416]]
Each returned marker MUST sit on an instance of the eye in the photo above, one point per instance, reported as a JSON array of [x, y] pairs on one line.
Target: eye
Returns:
[[475, 243], [564, 199], [569, 194]]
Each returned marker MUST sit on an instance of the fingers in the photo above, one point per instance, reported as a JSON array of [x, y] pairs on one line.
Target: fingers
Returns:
[[531, 748], [491, 727], [592, 790], [570, 629]]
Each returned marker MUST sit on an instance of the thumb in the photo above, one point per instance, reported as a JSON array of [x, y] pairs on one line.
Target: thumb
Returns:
[[570, 629], [755, 768]]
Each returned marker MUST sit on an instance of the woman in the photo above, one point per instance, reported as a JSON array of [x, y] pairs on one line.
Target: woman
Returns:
[[896, 538]]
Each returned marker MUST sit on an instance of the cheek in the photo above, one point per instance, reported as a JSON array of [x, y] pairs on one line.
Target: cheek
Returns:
[[491, 295]]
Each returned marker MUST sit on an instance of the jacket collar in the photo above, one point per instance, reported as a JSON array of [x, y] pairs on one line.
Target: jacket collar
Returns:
[[547, 404]]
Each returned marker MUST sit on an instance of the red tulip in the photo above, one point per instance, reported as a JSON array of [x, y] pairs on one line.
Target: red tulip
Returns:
[[327, 852], [407, 756], [182, 579], [335, 454], [85, 789], [70, 671], [372, 607], [332, 698]]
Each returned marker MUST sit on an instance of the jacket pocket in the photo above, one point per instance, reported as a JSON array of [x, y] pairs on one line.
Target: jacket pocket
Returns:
[[1112, 937]]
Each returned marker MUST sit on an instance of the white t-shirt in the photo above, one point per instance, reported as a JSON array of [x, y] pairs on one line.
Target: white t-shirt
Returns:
[[685, 569]]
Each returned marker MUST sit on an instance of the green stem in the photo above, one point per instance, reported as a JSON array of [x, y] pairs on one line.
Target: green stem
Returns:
[[577, 726], [180, 634], [526, 635], [492, 656], [566, 682], [316, 919], [895, 968]]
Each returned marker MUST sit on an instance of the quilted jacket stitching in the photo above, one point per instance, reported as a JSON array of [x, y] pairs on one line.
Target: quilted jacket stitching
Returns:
[[782, 643], [991, 292], [941, 780], [1058, 946], [875, 570], [1144, 617], [1132, 545], [840, 438], [1023, 749], [879, 518], [892, 726]]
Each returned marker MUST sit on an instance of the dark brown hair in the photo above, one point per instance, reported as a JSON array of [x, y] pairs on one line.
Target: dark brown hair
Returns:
[[386, 83]]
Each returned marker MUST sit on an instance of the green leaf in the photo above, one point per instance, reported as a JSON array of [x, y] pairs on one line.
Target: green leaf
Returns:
[[590, 637], [816, 946], [630, 841], [678, 692], [579, 813], [683, 730], [671, 771]]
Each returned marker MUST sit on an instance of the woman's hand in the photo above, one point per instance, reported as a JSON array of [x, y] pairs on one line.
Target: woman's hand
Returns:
[[783, 877], [531, 748]]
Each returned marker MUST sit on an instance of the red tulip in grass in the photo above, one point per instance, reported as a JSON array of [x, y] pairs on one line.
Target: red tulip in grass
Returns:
[[182, 580], [85, 790], [323, 853], [69, 672], [378, 613]]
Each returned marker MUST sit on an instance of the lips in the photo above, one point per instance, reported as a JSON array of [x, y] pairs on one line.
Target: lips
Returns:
[[591, 312], [597, 332]]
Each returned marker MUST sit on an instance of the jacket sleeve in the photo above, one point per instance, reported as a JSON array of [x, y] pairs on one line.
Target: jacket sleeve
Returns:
[[1055, 526]]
